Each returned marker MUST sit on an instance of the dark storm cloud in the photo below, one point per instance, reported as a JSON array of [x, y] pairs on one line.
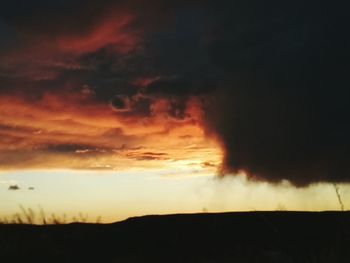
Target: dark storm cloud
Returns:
[[274, 73], [278, 96], [7, 35], [282, 108], [50, 16]]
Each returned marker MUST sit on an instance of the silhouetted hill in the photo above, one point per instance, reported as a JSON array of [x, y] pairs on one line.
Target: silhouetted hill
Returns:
[[224, 237]]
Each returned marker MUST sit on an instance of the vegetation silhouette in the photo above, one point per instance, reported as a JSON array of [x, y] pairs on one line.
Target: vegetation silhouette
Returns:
[[28, 216], [277, 236]]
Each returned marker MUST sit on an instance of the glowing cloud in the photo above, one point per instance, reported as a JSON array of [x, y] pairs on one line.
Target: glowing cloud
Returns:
[[72, 130]]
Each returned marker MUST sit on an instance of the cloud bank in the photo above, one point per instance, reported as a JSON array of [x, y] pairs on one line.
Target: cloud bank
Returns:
[[259, 85]]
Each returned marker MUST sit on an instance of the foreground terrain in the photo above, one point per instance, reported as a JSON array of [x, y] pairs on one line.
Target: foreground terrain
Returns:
[[225, 237]]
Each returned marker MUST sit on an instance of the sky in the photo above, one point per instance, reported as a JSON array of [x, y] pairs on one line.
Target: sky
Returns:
[[124, 108]]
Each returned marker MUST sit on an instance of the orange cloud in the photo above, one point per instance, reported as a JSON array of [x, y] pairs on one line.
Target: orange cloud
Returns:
[[71, 130], [65, 125]]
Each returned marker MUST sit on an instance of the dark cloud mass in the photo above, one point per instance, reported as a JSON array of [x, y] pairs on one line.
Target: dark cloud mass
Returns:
[[272, 76], [282, 109], [14, 187]]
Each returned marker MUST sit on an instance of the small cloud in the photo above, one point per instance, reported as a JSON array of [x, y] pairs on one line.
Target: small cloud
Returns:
[[208, 164], [14, 187], [145, 81], [121, 103], [147, 156], [31, 188]]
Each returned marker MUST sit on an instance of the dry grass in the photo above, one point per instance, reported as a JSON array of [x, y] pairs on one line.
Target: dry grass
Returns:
[[31, 217]]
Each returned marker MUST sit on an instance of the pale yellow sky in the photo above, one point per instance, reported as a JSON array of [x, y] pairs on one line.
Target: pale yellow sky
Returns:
[[118, 195]]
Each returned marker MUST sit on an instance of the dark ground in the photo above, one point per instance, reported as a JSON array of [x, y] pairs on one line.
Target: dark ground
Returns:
[[226, 237]]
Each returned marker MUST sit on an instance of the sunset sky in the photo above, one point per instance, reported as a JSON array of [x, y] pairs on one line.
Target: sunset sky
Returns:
[[125, 108]]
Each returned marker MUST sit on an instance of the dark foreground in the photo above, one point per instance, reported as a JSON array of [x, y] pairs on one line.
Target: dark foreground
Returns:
[[228, 237]]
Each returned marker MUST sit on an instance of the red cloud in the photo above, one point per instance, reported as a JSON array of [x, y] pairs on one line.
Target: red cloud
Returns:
[[115, 32], [43, 55], [145, 81]]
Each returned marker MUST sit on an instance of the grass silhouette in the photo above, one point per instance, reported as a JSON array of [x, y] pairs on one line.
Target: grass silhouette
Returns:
[[28, 216]]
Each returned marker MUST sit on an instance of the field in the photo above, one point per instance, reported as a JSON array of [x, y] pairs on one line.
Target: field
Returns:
[[225, 237]]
